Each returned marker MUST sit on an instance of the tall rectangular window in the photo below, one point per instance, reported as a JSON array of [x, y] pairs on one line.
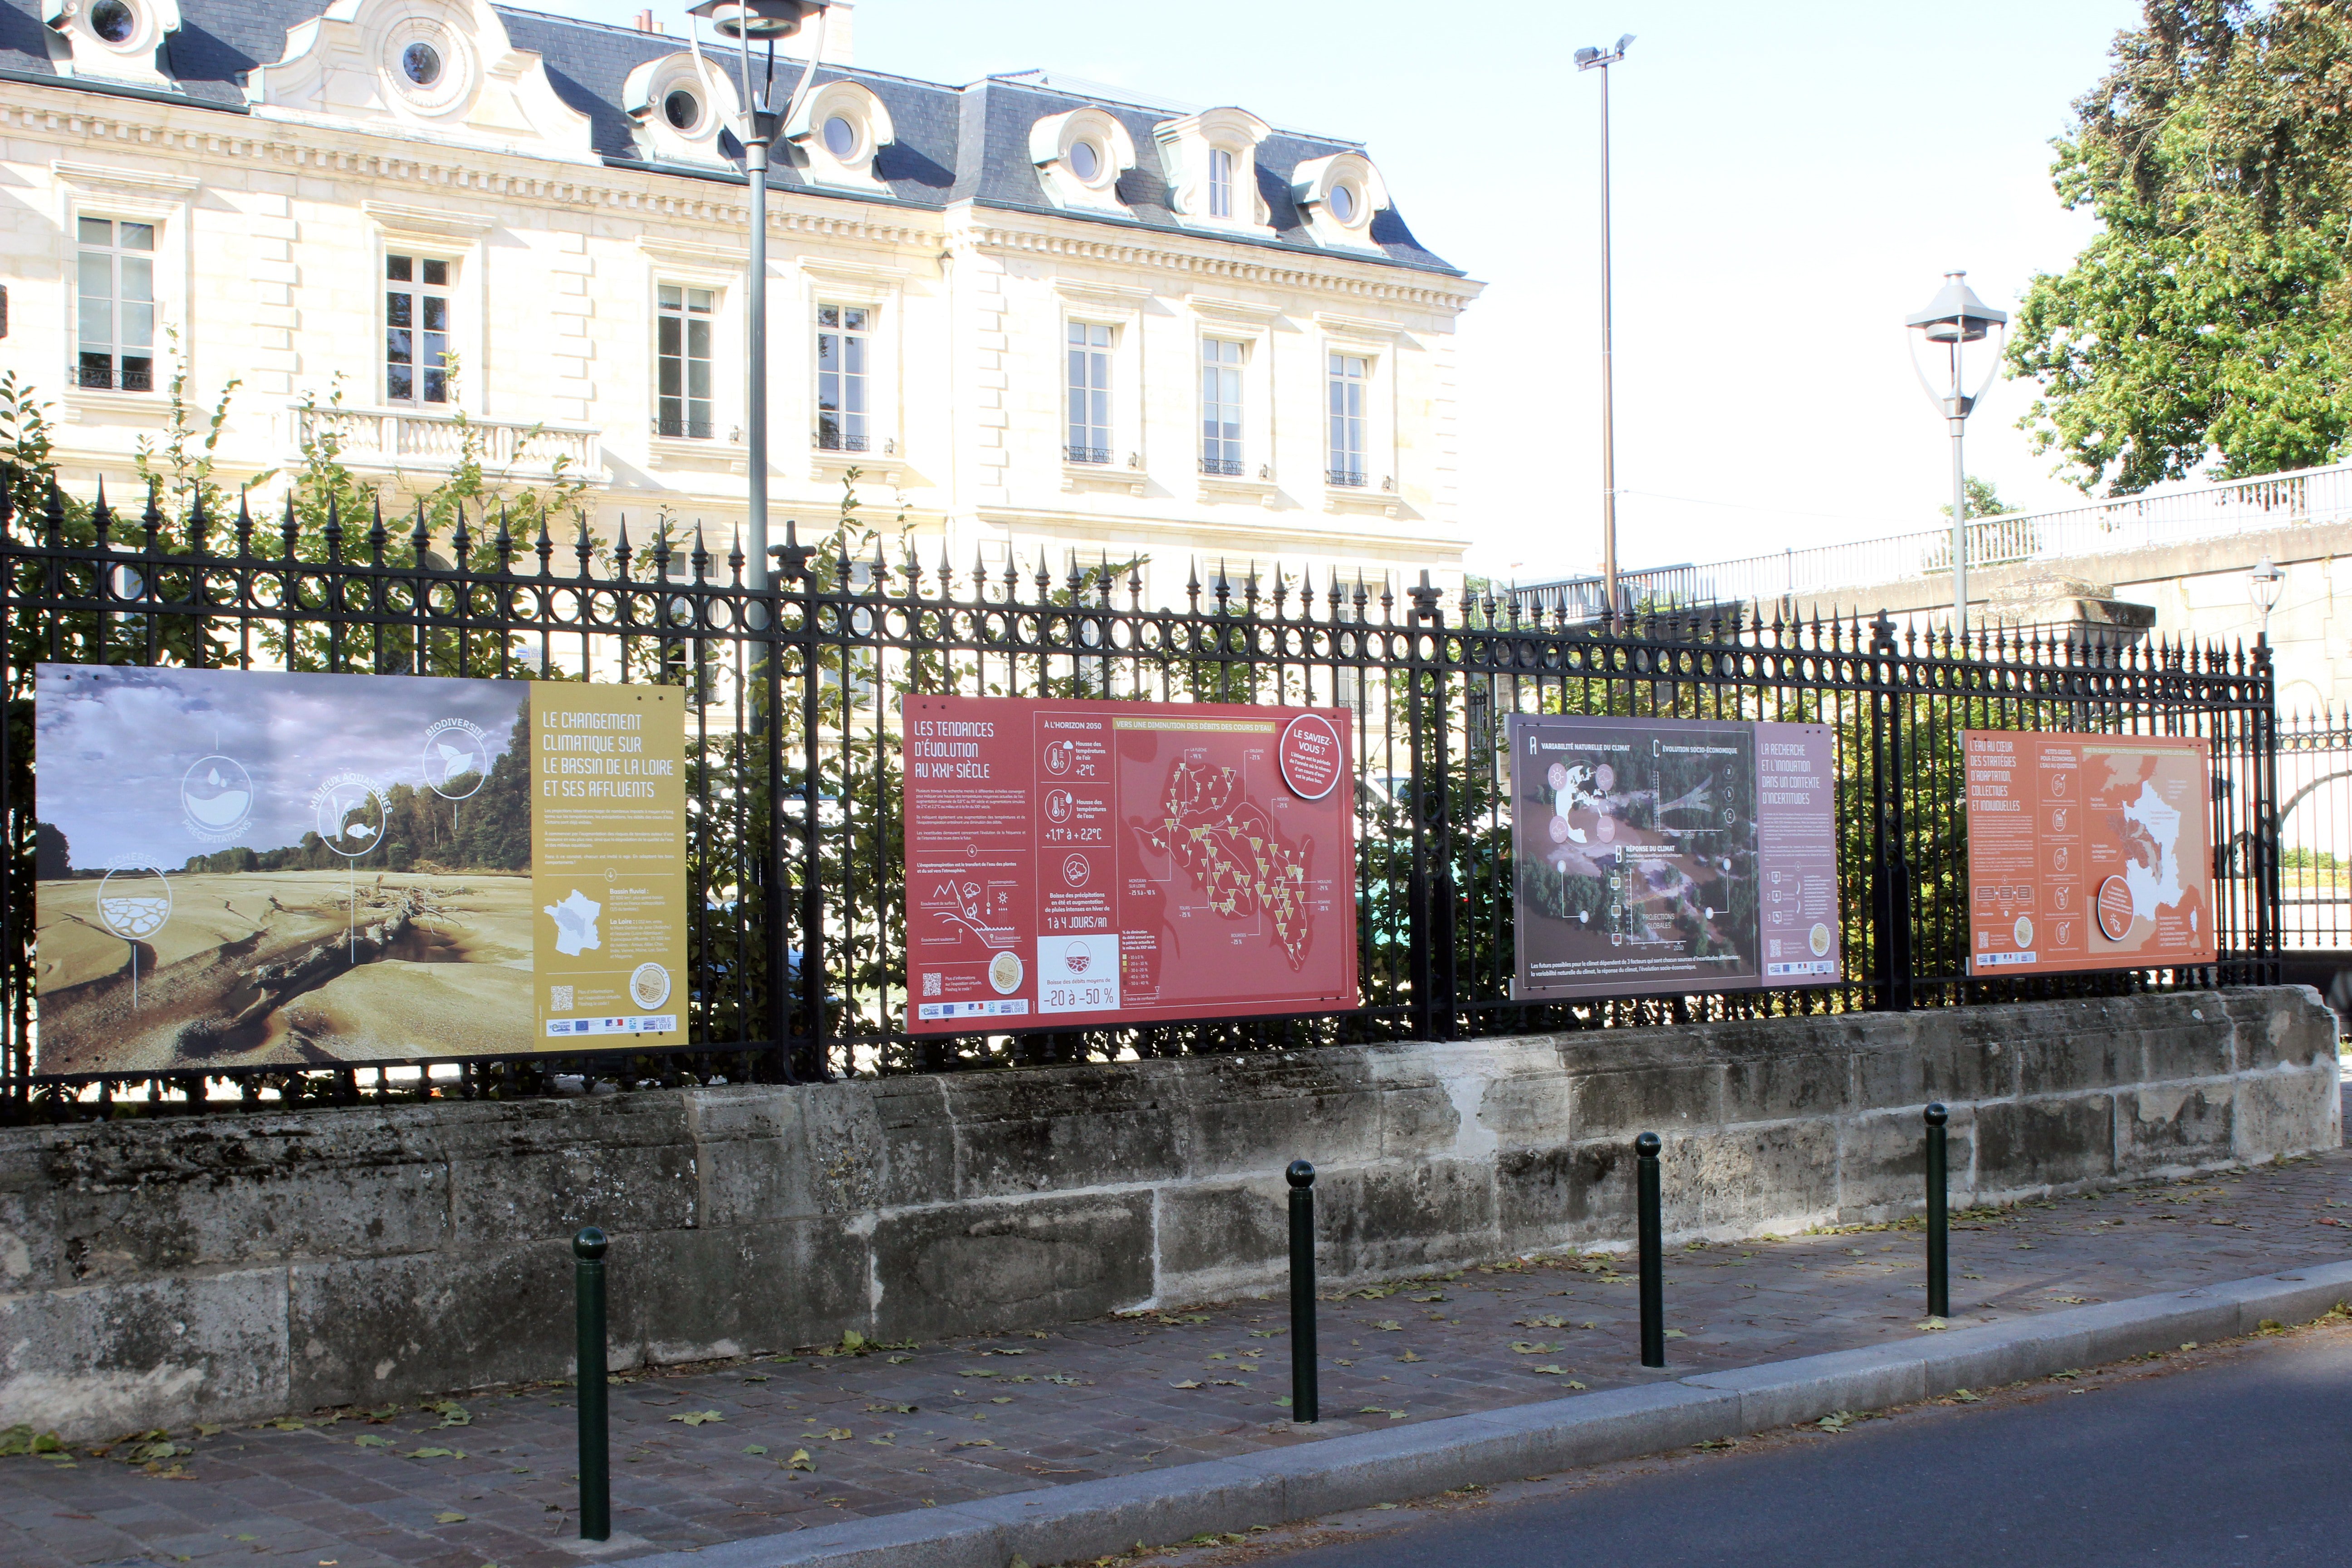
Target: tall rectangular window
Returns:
[[1221, 406], [1347, 457], [1221, 183], [682, 363], [116, 283], [1090, 400], [417, 317], [841, 361]]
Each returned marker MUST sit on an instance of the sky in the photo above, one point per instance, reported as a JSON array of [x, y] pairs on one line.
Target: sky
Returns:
[[147, 766], [1790, 182]]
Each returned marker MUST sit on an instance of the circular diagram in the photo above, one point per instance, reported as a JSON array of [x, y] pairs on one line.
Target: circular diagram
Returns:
[[351, 812], [1004, 972], [1075, 871], [456, 759], [1076, 956], [216, 793], [2118, 908], [1820, 940], [134, 900], [2023, 931], [649, 985], [1058, 805]]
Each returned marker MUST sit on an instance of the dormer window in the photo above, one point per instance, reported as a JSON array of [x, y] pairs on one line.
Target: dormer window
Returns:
[[679, 105], [117, 38], [1080, 157], [429, 65], [1338, 195], [1211, 162], [840, 129]]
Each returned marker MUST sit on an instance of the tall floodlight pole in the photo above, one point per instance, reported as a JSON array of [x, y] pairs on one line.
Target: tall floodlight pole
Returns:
[[1957, 317], [767, 21], [1601, 60]]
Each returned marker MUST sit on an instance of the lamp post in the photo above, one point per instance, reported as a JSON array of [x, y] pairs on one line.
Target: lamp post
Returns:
[[743, 21], [1601, 60], [2264, 586], [1957, 317]]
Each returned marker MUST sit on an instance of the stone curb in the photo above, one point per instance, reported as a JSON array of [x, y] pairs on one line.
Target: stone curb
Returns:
[[1281, 1485]]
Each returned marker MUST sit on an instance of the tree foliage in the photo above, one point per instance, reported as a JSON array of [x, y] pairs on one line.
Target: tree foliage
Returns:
[[2208, 320]]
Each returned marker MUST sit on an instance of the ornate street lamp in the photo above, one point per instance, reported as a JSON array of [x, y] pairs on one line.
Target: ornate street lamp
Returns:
[[744, 21], [2264, 585], [1957, 317], [1601, 60]]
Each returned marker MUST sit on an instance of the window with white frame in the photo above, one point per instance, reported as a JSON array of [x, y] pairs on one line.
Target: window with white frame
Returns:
[[115, 283], [416, 324], [682, 362], [1221, 183], [843, 350], [1221, 406], [1345, 463], [1089, 393]]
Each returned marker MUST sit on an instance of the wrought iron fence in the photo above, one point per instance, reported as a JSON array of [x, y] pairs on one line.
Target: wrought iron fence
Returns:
[[2314, 832], [794, 829]]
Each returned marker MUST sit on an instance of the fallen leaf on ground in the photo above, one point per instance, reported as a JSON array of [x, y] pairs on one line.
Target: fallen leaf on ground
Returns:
[[697, 1417], [800, 1460], [370, 1440], [1548, 1320], [1409, 1356], [1188, 1383], [448, 1519], [434, 1454], [1528, 1347], [1677, 1334], [1387, 1325], [1933, 1325]]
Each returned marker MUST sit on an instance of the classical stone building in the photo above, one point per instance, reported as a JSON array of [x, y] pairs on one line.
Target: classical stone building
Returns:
[[1028, 311]]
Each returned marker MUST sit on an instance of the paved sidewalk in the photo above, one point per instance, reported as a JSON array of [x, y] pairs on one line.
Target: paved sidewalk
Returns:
[[715, 1453]]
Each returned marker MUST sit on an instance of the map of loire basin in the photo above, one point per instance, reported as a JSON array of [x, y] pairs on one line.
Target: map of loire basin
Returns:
[[2088, 851], [1232, 854]]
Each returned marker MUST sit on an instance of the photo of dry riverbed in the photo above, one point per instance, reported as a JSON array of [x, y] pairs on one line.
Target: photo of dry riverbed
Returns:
[[254, 869], [297, 968]]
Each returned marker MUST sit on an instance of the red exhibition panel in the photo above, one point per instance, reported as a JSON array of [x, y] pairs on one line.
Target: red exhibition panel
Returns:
[[2088, 851], [1083, 864]]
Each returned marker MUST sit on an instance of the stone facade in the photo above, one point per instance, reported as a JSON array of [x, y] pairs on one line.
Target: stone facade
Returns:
[[153, 1273], [540, 175]]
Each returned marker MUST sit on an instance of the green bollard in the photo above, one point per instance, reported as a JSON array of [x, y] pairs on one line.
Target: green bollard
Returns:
[[596, 1442], [1939, 1229], [1306, 1404]]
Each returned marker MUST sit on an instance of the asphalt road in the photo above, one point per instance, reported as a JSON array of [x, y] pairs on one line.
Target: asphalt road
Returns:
[[2241, 1462]]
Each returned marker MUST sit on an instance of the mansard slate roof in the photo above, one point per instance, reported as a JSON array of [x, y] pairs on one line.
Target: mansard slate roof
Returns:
[[954, 144]]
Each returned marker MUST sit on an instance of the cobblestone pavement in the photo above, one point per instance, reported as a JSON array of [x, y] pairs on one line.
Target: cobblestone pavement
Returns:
[[707, 1454]]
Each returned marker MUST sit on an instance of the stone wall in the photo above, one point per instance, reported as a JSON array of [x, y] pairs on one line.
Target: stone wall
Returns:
[[155, 1273]]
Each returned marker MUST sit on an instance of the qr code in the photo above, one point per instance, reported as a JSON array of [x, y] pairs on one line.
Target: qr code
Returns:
[[931, 985], [559, 998]]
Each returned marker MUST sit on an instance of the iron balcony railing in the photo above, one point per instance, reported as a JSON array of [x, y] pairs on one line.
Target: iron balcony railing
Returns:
[[2182, 516], [1352, 479], [1230, 468], [1087, 454]]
